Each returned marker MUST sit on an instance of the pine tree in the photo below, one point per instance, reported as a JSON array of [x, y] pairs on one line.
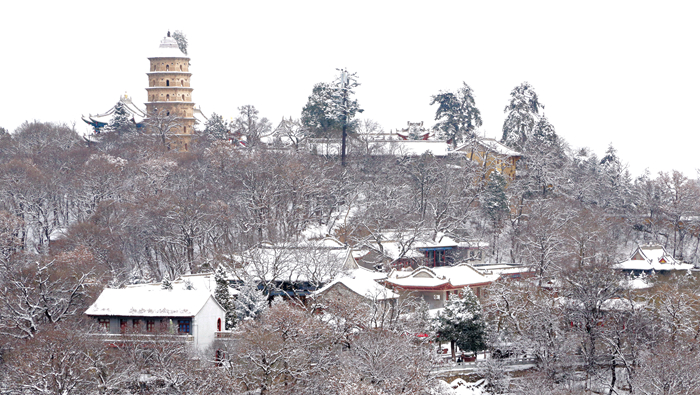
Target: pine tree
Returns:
[[457, 114], [494, 204], [315, 114], [462, 323], [222, 295], [121, 122], [181, 39], [251, 302], [166, 284], [544, 132], [523, 115]]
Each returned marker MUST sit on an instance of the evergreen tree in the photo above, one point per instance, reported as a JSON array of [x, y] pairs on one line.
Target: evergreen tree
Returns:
[[121, 121], [462, 323], [315, 114], [222, 295], [494, 205], [544, 132], [181, 39], [523, 115], [216, 127], [166, 284], [457, 114], [343, 106], [251, 302]]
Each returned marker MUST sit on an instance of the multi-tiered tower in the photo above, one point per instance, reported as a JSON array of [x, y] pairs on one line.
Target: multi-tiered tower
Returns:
[[170, 106]]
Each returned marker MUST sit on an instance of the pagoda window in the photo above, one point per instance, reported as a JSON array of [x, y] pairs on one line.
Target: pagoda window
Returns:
[[167, 67], [180, 67], [167, 82], [183, 97], [182, 82], [167, 97]]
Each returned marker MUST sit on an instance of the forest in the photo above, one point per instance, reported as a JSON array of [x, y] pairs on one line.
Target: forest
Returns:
[[81, 213]]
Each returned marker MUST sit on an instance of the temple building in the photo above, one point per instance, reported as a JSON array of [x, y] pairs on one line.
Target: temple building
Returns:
[[170, 95], [170, 111], [100, 121]]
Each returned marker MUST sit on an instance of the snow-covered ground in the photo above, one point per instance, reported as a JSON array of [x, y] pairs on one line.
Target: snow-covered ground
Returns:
[[459, 387]]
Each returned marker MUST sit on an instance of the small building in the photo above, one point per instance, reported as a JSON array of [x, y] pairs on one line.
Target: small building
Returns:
[[492, 155], [435, 285], [147, 311], [359, 284], [293, 270], [651, 257], [411, 250]]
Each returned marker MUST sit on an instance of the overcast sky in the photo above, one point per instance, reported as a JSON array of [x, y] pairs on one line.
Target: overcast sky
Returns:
[[625, 73]]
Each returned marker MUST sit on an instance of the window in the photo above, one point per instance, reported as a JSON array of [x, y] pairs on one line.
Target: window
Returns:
[[150, 325], [167, 67], [122, 325], [180, 67], [136, 324], [183, 326], [218, 325], [167, 97], [103, 324], [183, 97], [167, 82], [182, 82]]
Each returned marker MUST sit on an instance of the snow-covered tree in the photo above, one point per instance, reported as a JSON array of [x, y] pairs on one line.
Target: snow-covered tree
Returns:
[[315, 115], [291, 131], [181, 39], [216, 127], [462, 323], [121, 121], [249, 124], [166, 283], [544, 132], [250, 302], [494, 205], [523, 115], [343, 106], [457, 114], [222, 295]]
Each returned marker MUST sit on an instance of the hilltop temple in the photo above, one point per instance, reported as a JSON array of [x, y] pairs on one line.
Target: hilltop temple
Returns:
[[169, 107]]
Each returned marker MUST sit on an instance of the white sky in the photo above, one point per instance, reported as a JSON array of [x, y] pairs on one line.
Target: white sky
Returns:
[[625, 73]]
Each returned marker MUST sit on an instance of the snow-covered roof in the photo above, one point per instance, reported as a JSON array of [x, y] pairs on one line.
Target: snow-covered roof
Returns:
[[463, 275], [457, 276], [364, 283], [132, 109], [313, 261], [150, 301], [490, 144], [649, 257], [168, 49]]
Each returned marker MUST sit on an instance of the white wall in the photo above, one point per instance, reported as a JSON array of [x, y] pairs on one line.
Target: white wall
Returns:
[[204, 324]]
